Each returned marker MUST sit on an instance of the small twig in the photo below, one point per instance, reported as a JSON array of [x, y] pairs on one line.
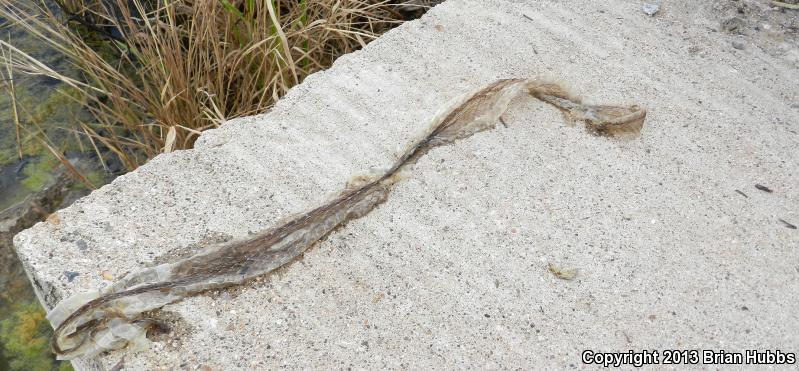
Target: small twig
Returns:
[[763, 188], [789, 225], [785, 5], [502, 121]]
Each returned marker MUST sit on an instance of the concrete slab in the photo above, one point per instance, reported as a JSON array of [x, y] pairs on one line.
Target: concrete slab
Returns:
[[451, 272]]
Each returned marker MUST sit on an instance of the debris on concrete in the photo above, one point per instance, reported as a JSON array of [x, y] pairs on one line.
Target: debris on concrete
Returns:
[[229, 265], [562, 273], [733, 25], [763, 188], [788, 225], [785, 5], [651, 7]]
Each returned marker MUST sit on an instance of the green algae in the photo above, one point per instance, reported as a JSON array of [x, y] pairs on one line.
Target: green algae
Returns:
[[25, 337], [48, 113], [49, 117], [39, 173]]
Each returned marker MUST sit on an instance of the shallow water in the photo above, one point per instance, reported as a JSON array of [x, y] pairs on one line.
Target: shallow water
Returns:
[[11, 188], [24, 334]]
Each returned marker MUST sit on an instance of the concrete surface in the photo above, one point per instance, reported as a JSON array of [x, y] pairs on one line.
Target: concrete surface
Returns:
[[451, 272]]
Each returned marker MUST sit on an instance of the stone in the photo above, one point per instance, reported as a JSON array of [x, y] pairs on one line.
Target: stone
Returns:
[[651, 8]]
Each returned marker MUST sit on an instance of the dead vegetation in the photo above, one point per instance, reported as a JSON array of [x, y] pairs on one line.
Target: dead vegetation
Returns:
[[155, 73], [84, 328]]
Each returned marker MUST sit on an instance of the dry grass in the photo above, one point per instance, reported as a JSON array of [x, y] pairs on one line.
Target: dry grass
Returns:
[[156, 73]]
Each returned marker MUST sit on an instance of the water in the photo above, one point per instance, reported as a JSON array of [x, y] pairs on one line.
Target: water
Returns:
[[24, 333]]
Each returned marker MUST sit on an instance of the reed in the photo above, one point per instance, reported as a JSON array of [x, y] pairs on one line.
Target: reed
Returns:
[[156, 73]]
